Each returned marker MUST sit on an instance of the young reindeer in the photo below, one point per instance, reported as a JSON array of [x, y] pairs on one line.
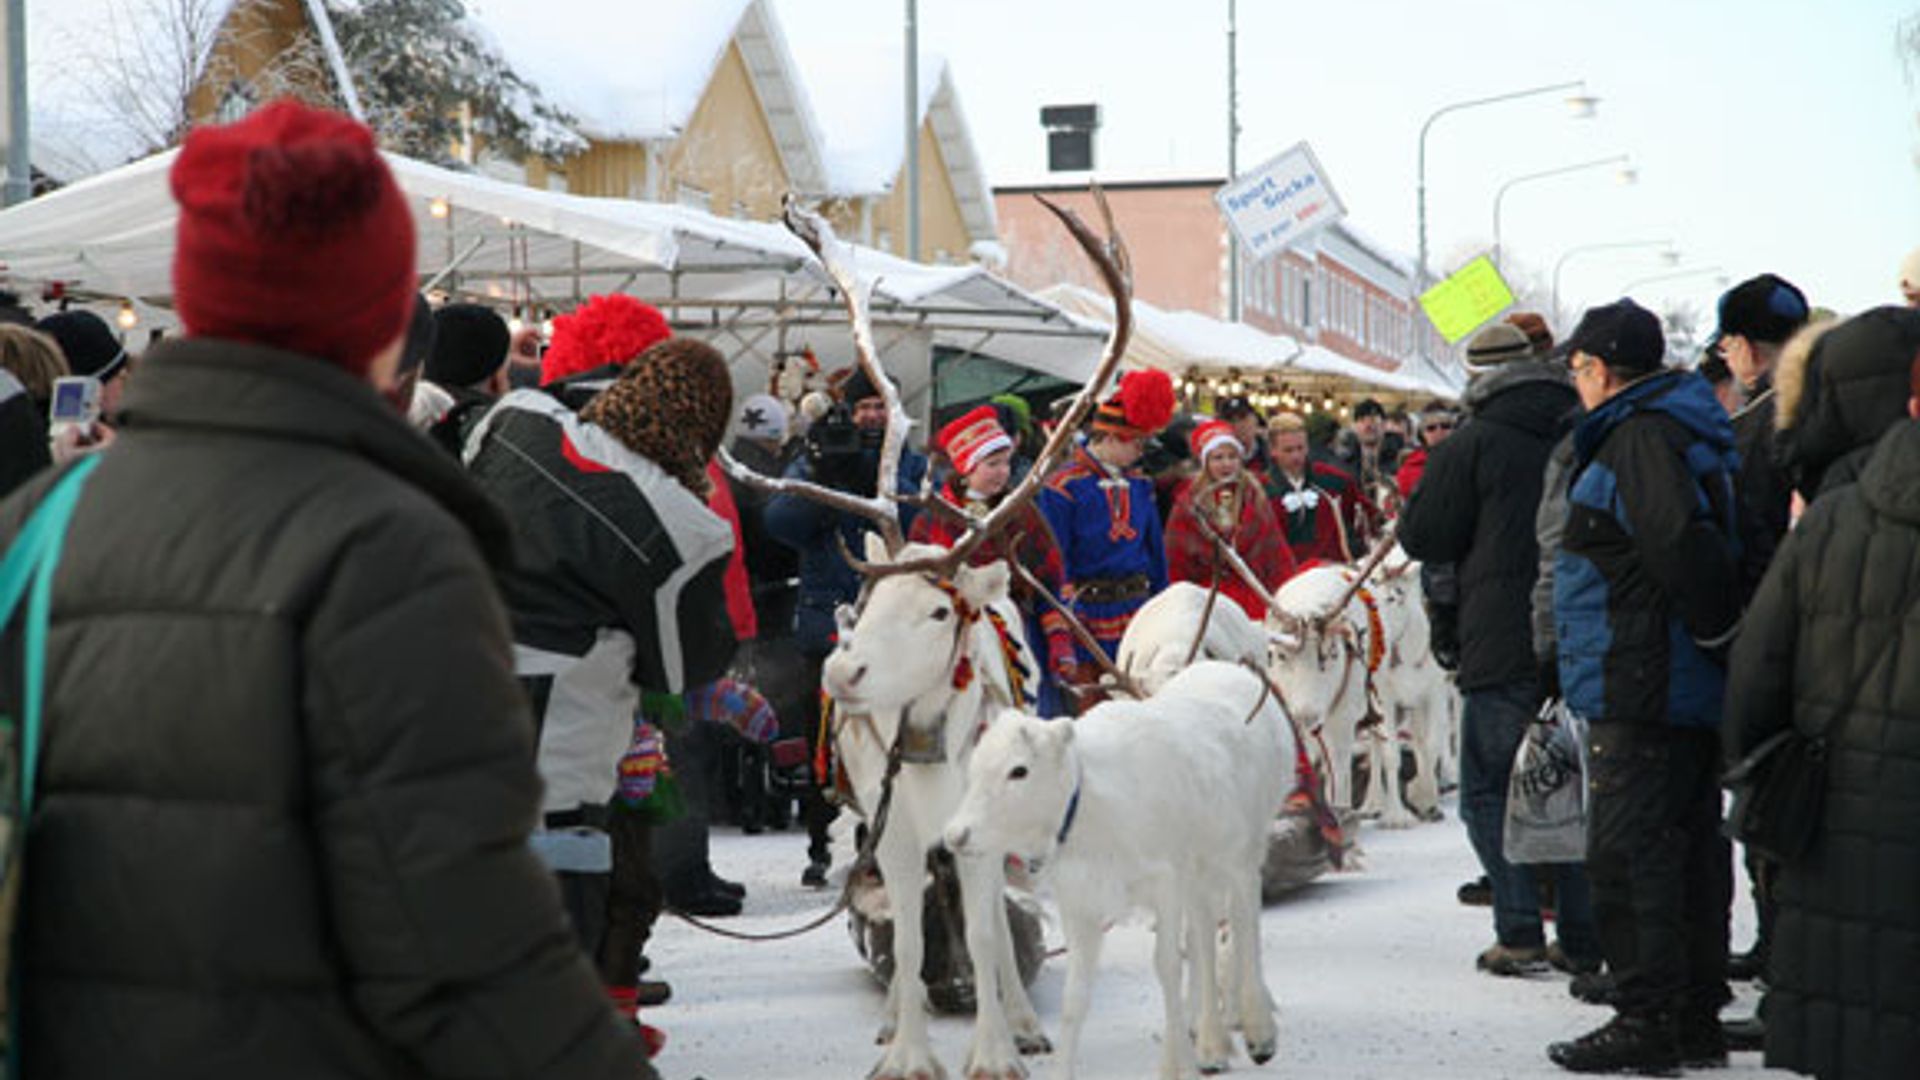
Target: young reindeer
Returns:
[[1162, 805], [1326, 648], [934, 648]]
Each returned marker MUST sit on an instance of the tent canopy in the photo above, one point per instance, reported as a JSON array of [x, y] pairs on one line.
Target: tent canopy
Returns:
[[112, 236], [1179, 342]]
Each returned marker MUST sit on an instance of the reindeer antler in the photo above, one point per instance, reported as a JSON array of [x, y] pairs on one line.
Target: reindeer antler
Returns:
[[1110, 257], [814, 231], [1380, 549]]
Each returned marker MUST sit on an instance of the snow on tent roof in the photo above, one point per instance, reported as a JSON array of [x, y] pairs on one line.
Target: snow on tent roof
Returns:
[[81, 124]]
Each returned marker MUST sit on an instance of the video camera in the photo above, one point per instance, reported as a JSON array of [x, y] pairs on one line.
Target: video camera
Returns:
[[836, 452], [833, 436]]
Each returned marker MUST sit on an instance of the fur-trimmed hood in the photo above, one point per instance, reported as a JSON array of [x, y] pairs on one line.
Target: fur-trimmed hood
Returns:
[[1853, 386], [1790, 371]]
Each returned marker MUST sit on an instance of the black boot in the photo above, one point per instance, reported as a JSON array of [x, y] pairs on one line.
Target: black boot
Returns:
[[1594, 987], [1477, 893], [1703, 1042], [1632, 1044]]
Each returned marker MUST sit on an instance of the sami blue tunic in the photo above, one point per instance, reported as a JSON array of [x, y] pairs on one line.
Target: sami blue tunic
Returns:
[[1109, 534]]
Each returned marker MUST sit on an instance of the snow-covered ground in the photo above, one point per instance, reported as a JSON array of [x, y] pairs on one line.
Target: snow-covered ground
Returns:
[[1373, 971]]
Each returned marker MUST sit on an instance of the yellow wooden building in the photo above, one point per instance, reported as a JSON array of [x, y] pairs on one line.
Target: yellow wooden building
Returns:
[[696, 103]]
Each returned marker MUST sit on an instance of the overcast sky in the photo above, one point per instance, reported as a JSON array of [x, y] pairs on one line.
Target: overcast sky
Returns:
[[1769, 134]]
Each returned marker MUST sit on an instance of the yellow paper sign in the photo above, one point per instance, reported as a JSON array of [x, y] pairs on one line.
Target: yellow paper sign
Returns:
[[1465, 301]]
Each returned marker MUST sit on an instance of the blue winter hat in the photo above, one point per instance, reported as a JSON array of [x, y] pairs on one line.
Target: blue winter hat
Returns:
[[1766, 308]]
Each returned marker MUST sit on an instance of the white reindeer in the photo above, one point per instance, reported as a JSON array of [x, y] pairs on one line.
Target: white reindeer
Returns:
[[1321, 637], [1162, 805], [1415, 695], [900, 663], [925, 652], [1159, 642]]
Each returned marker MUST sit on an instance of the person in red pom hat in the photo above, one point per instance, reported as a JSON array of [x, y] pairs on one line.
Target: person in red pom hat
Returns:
[[1225, 501], [982, 455], [1102, 512], [280, 598]]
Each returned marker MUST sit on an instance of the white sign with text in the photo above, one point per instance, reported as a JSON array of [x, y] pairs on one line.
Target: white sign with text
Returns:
[[1279, 204]]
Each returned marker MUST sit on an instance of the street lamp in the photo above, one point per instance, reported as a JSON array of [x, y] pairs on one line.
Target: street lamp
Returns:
[[1670, 256], [1626, 175], [1692, 271], [1582, 104]]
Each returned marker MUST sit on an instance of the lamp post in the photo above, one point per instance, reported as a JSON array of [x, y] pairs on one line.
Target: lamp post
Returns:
[[1582, 103], [1670, 255], [1627, 175], [1691, 271]]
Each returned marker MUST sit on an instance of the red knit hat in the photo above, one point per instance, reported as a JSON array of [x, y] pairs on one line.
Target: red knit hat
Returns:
[[605, 330], [292, 234], [968, 440], [1209, 436], [1143, 405]]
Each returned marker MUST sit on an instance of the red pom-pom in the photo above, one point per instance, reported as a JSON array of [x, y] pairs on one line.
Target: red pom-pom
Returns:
[[1146, 397], [310, 187], [605, 330]]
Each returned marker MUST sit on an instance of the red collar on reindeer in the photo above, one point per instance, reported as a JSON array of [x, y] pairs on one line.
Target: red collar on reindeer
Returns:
[[967, 615]]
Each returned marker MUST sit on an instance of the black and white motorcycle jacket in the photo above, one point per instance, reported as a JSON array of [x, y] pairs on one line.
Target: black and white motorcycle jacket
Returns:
[[616, 584]]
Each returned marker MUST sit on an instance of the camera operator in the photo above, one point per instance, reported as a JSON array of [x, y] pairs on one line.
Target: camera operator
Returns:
[[843, 453]]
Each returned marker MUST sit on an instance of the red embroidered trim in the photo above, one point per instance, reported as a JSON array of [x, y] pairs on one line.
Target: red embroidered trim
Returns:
[[1376, 632], [1120, 511]]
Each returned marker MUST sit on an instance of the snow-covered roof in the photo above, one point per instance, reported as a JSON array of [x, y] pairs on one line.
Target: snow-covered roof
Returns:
[[101, 75], [1391, 258], [857, 91], [636, 72]]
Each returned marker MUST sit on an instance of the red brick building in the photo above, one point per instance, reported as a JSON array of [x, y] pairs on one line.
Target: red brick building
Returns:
[[1341, 290]]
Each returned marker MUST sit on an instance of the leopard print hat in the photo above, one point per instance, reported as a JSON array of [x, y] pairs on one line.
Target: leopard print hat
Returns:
[[671, 406]]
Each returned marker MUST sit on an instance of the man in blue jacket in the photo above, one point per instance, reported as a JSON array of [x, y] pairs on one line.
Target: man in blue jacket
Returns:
[[1646, 601], [843, 453]]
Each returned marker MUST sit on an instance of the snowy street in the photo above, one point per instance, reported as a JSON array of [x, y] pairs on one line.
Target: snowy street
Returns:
[[1373, 972]]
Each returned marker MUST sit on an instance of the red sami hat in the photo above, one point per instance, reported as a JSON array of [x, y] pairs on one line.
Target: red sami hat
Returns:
[[972, 437], [605, 330], [1209, 436], [292, 234], [1142, 405]]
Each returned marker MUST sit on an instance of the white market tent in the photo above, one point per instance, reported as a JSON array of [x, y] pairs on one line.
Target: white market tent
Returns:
[[1183, 342], [750, 288]]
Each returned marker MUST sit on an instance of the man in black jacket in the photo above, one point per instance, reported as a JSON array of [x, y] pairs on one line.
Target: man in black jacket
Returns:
[[1475, 507], [287, 780], [1757, 317], [1646, 599]]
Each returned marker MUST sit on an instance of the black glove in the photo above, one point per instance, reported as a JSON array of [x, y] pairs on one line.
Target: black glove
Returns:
[[1549, 679], [1443, 621]]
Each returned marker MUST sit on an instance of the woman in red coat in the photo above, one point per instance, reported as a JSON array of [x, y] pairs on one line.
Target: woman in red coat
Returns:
[[1237, 511], [982, 453]]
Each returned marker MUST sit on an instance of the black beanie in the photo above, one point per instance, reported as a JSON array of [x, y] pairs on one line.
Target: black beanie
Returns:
[[90, 346], [858, 388], [470, 345]]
